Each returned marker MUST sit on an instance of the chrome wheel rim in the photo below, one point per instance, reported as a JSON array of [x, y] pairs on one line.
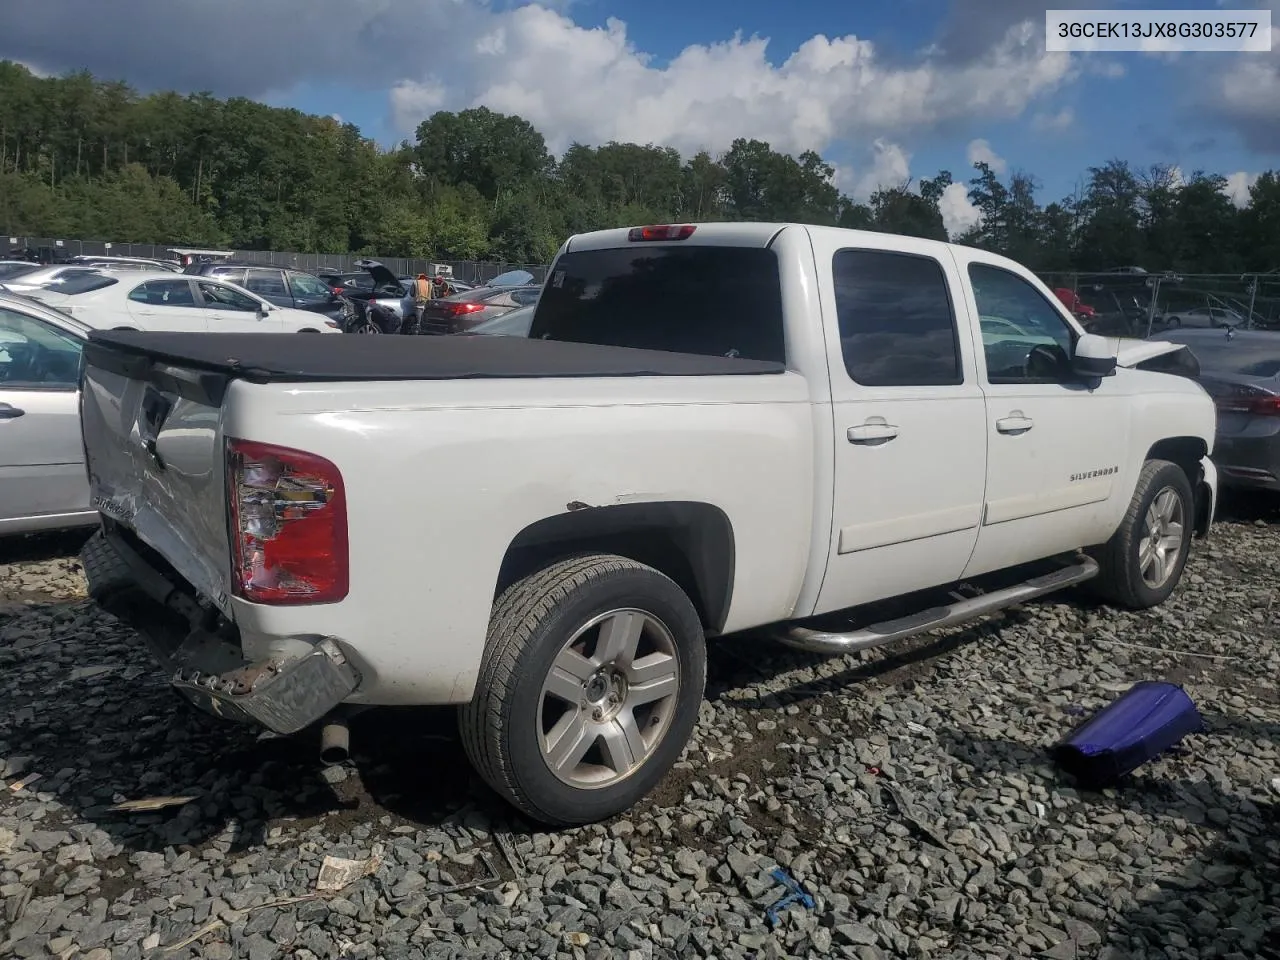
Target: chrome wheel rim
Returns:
[[370, 327], [608, 699], [1161, 544]]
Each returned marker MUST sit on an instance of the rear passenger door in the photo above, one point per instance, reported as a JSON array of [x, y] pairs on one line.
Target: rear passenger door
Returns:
[[166, 305], [909, 418]]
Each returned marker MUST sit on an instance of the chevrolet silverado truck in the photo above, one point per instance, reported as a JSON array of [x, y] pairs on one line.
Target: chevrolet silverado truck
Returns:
[[840, 438]]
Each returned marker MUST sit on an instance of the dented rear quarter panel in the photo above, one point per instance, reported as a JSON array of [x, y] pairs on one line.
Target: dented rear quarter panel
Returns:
[[441, 476]]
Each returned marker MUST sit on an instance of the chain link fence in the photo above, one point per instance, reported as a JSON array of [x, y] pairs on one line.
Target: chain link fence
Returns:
[[469, 271], [1156, 301]]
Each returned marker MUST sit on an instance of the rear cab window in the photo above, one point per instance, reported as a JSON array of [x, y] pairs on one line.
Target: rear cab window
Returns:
[[706, 300], [897, 322]]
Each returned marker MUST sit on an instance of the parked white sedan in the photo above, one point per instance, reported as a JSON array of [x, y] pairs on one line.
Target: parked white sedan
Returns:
[[42, 477], [138, 300]]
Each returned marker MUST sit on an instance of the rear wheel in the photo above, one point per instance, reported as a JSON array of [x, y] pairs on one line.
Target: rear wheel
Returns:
[[593, 673], [1143, 561]]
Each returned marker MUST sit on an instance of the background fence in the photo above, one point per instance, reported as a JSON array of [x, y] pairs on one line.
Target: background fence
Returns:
[[471, 271], [1256, 297]]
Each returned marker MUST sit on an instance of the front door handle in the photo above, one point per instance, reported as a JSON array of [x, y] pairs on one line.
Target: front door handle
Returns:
[[9, 412], [872, 432], [1016, 423]]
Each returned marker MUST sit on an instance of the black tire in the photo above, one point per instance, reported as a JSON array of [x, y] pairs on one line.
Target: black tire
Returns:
[[532, 621], [308, 330], [1120, 580]]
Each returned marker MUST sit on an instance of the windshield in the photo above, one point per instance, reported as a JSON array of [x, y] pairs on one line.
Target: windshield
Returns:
[[713, 301]]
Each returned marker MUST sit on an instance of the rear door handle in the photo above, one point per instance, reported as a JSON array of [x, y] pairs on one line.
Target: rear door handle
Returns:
[[1015, 424], [9, 412], [871, 432]]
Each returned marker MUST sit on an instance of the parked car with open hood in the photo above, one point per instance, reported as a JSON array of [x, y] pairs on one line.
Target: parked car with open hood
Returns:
[[710, 428]]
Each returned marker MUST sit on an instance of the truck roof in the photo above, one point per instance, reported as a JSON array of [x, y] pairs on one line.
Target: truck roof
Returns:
[[753, 234]]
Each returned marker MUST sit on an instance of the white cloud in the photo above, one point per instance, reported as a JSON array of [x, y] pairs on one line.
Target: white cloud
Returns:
[[958, 212], [980, 151], [413, 101], [336, 117], [890, 167], [1245, 92], [1053, 122], [1237, 187], [593, 84], [573, 82]]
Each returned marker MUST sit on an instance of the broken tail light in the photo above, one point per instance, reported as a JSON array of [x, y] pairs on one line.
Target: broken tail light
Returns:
[[663, 231], [288, 525]]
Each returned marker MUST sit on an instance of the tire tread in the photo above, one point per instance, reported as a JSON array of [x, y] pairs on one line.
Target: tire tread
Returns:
[[1118, 581], [517, 613]]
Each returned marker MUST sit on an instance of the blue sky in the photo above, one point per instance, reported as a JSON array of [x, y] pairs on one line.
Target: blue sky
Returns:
[[884, 90]]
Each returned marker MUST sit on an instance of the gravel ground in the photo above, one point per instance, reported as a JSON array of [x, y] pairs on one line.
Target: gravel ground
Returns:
[[908, 789]]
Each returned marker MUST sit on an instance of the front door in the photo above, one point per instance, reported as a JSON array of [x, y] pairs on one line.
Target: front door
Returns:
[[1056, 445], [909, 445], [231, 311], [41, 456]]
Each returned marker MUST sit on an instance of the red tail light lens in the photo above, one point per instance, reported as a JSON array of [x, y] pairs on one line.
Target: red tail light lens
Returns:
[[1248, 400], [664, 231], [288, 525], [462, 309]]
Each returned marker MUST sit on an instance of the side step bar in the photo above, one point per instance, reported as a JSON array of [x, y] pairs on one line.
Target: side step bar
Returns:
[[878, 634]]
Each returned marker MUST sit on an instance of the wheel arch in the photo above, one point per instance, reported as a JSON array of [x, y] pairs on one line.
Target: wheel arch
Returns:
[[689, 541], [1187, 452]]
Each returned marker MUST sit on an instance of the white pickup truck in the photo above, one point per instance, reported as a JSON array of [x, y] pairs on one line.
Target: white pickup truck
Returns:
[[711, 428]]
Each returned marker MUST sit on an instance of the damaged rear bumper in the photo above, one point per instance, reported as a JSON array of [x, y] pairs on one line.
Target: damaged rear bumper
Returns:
[[200, 648]]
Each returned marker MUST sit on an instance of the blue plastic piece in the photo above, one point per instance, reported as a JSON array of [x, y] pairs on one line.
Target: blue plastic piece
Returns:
[[795, 894], [1149, 718]]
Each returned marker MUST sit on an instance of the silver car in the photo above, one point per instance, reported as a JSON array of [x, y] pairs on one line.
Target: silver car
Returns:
[[42, 474], [1240, 369]]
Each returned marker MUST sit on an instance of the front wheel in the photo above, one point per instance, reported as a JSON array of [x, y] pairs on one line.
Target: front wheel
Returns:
[[1143, 561], [593, 673]]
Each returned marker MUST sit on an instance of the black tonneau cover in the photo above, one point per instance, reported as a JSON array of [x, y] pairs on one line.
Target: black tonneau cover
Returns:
[[312, 358]]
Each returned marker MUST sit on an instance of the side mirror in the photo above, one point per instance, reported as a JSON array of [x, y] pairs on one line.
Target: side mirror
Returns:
[[263, 309], [1094, 356]]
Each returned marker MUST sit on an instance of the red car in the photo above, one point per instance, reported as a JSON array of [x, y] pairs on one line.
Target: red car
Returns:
[[1074, 303]]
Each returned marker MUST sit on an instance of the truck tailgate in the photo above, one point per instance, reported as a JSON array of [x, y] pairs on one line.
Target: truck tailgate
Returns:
[[154, 455]]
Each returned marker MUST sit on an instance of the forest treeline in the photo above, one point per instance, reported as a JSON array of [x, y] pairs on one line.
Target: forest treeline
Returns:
[[93, 159]]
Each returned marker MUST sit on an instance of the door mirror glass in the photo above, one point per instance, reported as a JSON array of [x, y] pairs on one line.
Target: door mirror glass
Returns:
[[1094, 356]]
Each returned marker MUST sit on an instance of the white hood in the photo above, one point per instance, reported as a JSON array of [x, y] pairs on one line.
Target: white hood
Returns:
[[1130, 352]]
